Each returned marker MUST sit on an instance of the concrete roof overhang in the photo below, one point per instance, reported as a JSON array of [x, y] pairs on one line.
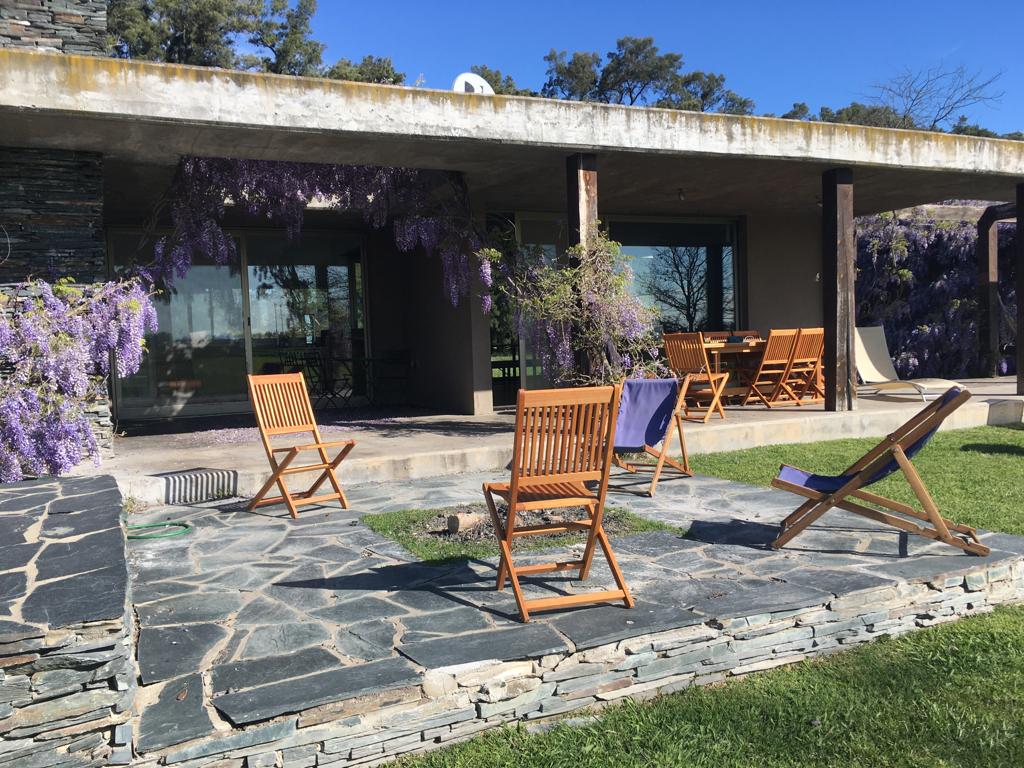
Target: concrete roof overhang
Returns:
[[143, 115]]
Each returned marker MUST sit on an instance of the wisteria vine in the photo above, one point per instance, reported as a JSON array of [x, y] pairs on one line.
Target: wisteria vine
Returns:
[[919, 280], [56, 345], [427, 208]]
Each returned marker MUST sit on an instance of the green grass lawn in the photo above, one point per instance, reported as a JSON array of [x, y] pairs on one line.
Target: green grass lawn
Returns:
[[408, 527], [976, 476], [947, 696]]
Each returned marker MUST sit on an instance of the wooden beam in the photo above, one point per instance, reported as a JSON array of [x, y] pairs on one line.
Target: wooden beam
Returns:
[[838, 259], [988, 290], [1019, 267], [581, 188]]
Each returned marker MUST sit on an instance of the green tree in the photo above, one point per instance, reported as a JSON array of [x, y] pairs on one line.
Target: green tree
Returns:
[[704, 92], [574, 77], [200, 32], [285, 33], [636, 72], [501, 83], [372, 69]]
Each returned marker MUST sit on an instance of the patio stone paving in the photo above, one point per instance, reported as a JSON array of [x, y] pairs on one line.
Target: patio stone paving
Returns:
[[281, 616]]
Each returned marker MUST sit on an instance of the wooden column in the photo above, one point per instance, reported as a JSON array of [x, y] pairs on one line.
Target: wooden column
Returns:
[[715, 288], [1019, 267], [988, 293], [581, 188], [838, 257]]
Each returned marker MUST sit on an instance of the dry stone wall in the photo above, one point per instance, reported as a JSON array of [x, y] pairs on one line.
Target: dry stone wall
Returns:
[[66, 26]]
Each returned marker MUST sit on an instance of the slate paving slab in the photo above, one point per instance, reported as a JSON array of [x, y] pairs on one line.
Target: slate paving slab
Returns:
[[835, 581], [193, 608], [178, 715], [520, 642], [95, 596], [610, 623], [283, 638], [166, 652], [271, 669], [297, 694], [89, 553]]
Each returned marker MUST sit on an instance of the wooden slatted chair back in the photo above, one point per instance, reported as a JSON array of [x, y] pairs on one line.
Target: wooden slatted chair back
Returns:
[[810, 344], [726, 335], [564, 435], [686, 353], [281, 403], [779, 348]]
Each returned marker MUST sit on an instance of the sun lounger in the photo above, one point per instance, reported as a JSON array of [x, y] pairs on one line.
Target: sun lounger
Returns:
[[875, 368]]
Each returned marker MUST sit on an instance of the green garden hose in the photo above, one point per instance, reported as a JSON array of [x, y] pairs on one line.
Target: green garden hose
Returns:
[[170, 530]]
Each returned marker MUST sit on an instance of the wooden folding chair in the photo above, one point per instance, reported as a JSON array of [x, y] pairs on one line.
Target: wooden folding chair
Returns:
[[895, 453], [651, 413], [766, 384], [687, 356], [563, 439], [281, 403], [802, 376]]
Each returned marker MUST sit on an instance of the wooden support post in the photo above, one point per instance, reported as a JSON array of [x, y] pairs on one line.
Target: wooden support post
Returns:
[[715, 288], [988, 294], [838, 258], [581, 186], [1019, 267]]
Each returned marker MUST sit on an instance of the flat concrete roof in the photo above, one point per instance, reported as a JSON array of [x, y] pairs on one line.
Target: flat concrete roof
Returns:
[[148, 113]]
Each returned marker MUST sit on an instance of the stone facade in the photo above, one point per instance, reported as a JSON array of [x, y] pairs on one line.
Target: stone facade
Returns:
[[67, 670], [67, 26], [51, 211]]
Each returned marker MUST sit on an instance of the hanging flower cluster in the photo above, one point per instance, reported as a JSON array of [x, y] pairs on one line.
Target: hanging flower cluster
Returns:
[[586, 325], [428, 209], [56, 343], [919, 280]]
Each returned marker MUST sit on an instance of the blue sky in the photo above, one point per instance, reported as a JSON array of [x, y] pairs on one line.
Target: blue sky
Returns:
[[774, 51]]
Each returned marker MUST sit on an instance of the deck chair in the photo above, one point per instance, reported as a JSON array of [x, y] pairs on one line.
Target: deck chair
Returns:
[[875, 368], [803, 378], [895, 453], [563, 439], [767, 382], [651, 413], [687, 356], [281, 403]]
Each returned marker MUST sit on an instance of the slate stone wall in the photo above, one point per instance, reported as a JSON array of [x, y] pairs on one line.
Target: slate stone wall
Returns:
[[67, 26], [67, 669], [51, 206], [404, 713]]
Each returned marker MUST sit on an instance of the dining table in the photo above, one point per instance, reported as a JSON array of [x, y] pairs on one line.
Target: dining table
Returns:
[[719, 349]]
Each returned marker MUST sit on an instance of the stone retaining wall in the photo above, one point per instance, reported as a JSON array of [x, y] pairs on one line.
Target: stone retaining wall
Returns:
[[67, 669], [455, 703], [67, 26]]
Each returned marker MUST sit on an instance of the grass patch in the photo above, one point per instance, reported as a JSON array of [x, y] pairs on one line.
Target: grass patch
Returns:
[[416, 530], [946, 696], [973, 474]]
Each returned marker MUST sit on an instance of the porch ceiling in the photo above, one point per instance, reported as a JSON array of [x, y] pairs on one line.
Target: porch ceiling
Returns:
[[143, 116]]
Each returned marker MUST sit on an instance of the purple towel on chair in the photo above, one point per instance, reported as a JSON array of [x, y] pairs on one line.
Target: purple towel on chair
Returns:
[[644, 412]]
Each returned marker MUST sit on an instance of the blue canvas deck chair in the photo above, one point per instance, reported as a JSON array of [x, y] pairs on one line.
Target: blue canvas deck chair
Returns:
[[651, 412], [895, 453]]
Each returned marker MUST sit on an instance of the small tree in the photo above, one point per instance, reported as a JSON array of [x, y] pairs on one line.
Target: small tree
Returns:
[[678, 282], [586, 324]]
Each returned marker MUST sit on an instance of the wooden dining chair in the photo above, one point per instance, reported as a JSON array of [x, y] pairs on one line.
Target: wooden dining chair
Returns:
[[563, 439], [767, 383], [726, 335], [802, 380], [687, 356], [282, 407]]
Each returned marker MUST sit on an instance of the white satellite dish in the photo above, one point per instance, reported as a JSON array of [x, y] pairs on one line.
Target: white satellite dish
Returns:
[[470, 82]]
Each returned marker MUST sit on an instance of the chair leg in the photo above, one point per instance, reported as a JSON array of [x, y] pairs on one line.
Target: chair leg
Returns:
[[329, 474], [499, 531], [588, 553], [787, 534], [506, 555], [613, 564]]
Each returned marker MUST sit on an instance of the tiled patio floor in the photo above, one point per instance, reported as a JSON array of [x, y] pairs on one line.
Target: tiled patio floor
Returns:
[[267, 616]]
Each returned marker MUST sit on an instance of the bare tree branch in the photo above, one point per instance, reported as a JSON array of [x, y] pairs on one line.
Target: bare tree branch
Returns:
[[934, 97]]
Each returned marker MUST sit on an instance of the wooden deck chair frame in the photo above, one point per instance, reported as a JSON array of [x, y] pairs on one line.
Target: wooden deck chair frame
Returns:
[[850, 495], [687, 356], [801, 377], [563, 439], [767, 383], [282, 407], [675, 427]]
